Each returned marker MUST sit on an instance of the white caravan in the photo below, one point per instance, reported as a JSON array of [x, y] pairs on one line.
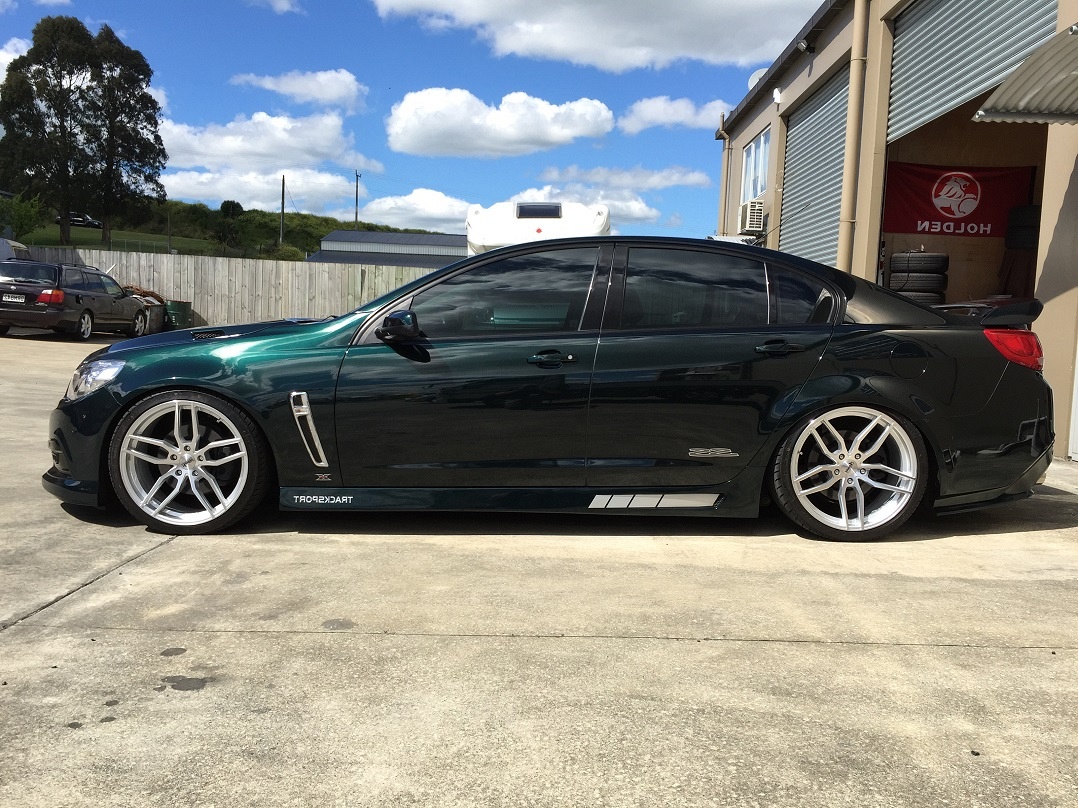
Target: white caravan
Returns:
[[515, 222]]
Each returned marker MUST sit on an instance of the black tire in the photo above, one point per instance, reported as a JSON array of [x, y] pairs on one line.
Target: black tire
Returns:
[[4, 328], [199, 481], [852, 473], [138, 324], [917, 281], [919, 262], [84, 327]]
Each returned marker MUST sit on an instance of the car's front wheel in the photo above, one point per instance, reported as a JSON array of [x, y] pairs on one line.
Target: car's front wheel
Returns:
[[187, 462], [852, 473]]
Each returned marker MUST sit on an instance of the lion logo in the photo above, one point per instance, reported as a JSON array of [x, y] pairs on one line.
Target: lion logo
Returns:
[[956, 194]]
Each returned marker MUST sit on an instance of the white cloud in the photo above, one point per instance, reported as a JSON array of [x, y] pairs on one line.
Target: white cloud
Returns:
[[311, 191], [11, 50], [637, 179], [263, 142], [279, 6], [620, 35], [329, 88], [52, 2], [160, 96], [671, 112], [8, 5], [441, 122], [422, 208]]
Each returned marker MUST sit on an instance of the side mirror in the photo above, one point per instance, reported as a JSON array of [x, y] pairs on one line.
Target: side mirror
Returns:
[[398, 325]]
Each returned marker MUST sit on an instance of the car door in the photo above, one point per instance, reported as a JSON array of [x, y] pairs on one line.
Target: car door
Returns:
[[83, 292], [493, 392], [697, 361], [121, 308]]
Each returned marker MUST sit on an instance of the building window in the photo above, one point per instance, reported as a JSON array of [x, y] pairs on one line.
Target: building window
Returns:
[[754, 172]]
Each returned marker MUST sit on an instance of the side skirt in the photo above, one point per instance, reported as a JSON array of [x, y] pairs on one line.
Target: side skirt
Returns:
[[685, 502]]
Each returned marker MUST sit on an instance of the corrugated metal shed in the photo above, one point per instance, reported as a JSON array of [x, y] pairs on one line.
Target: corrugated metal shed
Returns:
[[1043, 89], [391, 249]]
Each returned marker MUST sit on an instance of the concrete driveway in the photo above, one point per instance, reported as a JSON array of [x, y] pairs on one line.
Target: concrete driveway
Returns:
[[486, 660]]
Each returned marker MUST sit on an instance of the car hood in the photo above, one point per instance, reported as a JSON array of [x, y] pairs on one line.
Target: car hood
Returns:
[[214, 333]]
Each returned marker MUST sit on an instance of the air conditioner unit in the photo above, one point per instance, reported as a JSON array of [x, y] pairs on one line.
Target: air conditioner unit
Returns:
[[750, 217]]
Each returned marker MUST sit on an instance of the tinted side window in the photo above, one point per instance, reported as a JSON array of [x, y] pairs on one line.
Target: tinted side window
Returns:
[[675, 288], [798, 299], [93, 282], [73, 279], [111, 286], [543, 291]]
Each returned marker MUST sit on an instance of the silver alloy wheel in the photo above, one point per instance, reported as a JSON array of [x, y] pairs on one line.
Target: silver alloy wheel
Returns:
[[183, 462], [138, 325], [854, 469], [85, 326]]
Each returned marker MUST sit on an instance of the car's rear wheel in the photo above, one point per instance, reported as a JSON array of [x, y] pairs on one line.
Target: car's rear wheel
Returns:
[[85, 326], [138, 324], [852, 473], [187, 462], [4, 328]]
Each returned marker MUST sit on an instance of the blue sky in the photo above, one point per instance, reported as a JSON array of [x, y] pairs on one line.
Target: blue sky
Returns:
[[441, 104]]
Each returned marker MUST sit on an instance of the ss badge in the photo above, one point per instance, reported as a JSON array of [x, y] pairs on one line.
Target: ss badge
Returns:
[[717, 452]]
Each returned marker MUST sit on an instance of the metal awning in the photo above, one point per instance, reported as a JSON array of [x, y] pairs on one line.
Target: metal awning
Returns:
[[1043, 89]]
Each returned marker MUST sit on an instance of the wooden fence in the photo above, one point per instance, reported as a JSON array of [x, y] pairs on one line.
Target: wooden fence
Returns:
[[239, 290]]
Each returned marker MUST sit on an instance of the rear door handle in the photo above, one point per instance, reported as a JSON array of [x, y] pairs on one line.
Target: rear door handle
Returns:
[[780, 347], [551, 359]]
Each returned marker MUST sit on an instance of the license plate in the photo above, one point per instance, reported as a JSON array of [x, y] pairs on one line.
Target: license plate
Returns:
[[14, 298]]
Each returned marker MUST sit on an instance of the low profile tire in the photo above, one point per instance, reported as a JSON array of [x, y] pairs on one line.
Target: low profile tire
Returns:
[[852, 473], [138, 324], [185, 462], [920, 262], [84, 327], [926, 298], [918, 282]]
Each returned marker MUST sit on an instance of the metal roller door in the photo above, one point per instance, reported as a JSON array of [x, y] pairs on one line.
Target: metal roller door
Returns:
[[812, 179], [947, 53]]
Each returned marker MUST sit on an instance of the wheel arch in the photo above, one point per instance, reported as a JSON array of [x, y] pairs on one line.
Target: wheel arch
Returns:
[[141, 394], [796, 414]]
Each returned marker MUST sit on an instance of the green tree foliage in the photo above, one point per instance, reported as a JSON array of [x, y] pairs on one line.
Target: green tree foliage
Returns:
[[128, 154], [24, 215], [80, 127], [43, 108]]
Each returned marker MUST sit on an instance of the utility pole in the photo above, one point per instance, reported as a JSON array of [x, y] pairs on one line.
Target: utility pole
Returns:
[[358, 175], [280, 241]]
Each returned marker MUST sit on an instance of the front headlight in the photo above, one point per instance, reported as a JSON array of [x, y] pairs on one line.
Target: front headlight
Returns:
[[92, 375]]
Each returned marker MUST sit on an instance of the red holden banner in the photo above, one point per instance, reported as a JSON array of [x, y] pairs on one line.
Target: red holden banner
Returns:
[[953, 201]]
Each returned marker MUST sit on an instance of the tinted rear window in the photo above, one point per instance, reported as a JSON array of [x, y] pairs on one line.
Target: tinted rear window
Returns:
[[36, 273]]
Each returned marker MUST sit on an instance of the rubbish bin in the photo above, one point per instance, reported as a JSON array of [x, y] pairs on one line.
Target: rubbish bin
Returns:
[[178, 314], [155, 317]]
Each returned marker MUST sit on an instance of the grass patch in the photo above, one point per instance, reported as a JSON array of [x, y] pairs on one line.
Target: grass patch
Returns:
[[125, 241]]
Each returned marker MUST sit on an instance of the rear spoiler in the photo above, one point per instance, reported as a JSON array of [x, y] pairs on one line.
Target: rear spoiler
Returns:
[[992, 312], [1020, 313]]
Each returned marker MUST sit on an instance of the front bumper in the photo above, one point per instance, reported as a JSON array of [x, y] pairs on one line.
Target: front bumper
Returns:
[[75, 444]]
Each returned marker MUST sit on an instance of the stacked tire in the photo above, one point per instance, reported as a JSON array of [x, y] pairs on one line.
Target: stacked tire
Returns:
[[920, 276]]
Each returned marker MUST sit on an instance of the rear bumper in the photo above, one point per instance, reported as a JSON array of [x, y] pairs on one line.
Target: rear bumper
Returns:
[[39, 318], [1019, 489]]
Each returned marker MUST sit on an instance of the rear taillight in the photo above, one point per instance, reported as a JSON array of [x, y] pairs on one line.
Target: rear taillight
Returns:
[[1017, 345], [51, 297]]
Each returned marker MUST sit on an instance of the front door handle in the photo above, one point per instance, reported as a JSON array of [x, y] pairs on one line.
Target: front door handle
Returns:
[[780, 347], [551, 359]]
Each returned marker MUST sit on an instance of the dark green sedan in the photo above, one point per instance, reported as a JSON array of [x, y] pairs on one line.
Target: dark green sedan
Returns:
[[613, 375]]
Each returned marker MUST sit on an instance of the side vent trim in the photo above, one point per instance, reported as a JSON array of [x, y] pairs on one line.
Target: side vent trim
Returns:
[[301, 411]]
